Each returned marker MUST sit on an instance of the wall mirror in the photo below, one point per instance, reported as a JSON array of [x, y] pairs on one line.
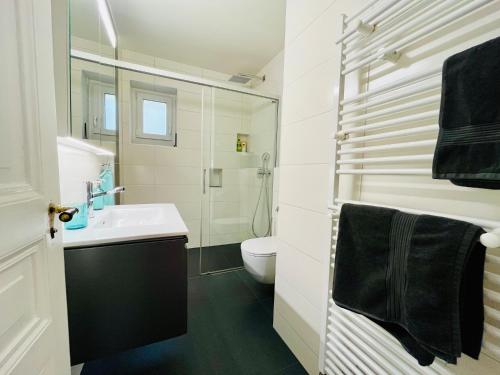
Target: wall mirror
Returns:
[[93, 98]]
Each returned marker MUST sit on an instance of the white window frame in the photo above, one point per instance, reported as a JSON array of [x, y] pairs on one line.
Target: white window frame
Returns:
[[97, 92], [170, 100]]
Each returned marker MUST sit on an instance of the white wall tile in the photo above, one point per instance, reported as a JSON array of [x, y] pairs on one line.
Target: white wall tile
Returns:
[[304, 229], [225, 210], [305, 186], [300, 14], [304, 280], [189, 101], [310, 95], [189, 139], [139, 194], [177, 156], [138, 175], [178, 175], [177, 193], [312, 47], [225, 194], [225, 142], [299, 312], [295, 341], [307, 112], [308, 141], [135, 154], [228, 124], [188, 120], [189, 210]]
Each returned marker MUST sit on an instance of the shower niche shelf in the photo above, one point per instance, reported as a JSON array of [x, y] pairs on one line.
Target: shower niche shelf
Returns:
[[215, 177], [244, 138]]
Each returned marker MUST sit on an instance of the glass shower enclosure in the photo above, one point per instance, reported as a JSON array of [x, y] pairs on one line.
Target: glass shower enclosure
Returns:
[[214, 160], [239, 155]]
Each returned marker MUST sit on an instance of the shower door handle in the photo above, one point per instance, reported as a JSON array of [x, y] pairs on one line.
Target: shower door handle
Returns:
[[204, 181]]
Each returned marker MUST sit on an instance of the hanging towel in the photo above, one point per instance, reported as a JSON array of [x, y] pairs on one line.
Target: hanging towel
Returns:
[[420, 277], [107, 183], [468, 146]]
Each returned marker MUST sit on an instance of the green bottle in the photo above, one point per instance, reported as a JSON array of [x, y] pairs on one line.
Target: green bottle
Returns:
[[238, 145]]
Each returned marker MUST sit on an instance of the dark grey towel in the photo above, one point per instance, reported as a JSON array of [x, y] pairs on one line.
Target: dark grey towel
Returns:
[[418, 276], [468, 146]]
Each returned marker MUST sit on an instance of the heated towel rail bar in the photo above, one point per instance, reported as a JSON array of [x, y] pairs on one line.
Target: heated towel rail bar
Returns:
[[490, 239], [422, 32]]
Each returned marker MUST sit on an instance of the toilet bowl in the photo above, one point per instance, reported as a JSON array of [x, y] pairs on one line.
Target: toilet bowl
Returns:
[[259, 258]]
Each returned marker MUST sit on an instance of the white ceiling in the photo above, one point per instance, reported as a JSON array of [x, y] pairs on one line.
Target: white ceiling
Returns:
[[229, 36]]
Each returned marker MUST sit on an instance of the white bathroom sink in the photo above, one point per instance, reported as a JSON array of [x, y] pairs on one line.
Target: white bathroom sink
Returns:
[[127, 223]]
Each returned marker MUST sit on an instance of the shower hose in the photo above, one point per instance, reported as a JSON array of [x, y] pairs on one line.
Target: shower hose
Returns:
[[264, 188]]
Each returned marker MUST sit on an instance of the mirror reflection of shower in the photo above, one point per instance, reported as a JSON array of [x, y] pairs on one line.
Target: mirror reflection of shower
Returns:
[[264, 173]]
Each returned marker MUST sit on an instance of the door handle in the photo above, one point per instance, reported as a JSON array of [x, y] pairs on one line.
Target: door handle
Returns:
[[65, 215], [204, 181]]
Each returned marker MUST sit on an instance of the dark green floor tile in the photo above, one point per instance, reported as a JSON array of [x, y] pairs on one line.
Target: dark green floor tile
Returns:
[[268, 304], [229, 332], [260, 291], [193, 262], [177, 356], [295, 369], [220, 257], [214, 258], [217, 292]]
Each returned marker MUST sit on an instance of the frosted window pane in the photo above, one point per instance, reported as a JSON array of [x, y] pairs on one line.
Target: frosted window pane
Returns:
[[110, 112], [154, 117]]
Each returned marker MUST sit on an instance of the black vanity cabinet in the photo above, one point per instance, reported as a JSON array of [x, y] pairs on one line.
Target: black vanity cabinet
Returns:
[[125, 295]]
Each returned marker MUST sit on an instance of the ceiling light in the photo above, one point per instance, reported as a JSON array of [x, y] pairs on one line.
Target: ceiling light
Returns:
[[107, 21]]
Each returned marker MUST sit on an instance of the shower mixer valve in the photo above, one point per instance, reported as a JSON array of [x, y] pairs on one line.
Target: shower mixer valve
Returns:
[[263, 172]]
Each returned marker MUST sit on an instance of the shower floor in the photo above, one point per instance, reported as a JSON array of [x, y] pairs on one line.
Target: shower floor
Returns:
[[214, 258], [230, 331]]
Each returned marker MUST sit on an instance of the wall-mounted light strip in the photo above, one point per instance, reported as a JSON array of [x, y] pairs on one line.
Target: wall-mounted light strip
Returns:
[[84, 146], [107, 21]]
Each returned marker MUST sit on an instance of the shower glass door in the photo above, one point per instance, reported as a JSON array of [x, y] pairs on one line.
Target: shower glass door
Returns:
[[239, 153]]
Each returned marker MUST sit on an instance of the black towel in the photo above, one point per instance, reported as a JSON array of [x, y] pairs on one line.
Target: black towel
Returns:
[[420, 277], [468, 146]]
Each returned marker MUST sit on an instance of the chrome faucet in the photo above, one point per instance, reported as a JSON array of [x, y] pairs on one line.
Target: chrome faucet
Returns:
[[91, 195]]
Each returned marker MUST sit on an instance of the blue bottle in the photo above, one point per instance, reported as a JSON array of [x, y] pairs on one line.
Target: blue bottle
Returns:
[[80, 219], [98, 202]]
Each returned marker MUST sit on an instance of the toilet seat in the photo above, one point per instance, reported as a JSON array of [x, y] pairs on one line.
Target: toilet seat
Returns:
[[259, 247], [259, 258]]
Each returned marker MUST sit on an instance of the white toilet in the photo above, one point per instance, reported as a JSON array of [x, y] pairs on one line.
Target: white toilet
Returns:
[[259, 257]]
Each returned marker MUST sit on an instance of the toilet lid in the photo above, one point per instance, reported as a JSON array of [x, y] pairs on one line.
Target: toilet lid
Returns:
[[263, 246]]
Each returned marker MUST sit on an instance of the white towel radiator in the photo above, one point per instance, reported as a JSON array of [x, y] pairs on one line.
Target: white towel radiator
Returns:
[[389, 76]]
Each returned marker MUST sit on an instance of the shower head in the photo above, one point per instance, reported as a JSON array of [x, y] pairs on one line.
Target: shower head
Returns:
[[266, 156], [239, 79], [245, 78]]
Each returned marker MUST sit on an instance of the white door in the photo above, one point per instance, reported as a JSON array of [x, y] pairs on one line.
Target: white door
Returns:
[[33, 323]]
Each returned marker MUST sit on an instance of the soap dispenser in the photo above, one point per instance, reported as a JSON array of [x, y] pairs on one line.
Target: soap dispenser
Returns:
[[81, 218]]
